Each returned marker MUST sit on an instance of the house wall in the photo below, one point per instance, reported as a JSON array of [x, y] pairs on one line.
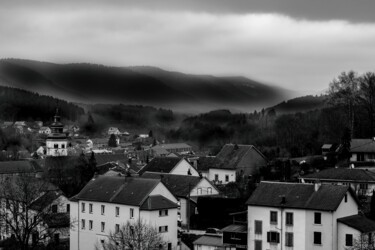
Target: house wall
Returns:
[[60, 151], [183, 167], [366, 157], [251, 162], [221, 174], [206, 247], [342, 230], [203, 188]]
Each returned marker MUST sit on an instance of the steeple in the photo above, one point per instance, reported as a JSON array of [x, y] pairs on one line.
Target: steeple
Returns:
[[57, 141]]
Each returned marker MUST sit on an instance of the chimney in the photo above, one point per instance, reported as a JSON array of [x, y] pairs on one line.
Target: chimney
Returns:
[[317, 185], [283, 200]]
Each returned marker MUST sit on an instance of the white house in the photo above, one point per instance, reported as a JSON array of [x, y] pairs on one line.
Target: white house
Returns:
[[362, 150], [355, 231], [361, 181], [185, 187], [106, 202], [169, 165], [209, 242], [297, 216], [216, 171], [45, 130]]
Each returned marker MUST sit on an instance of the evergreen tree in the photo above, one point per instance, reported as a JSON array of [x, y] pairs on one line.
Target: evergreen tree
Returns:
[[112, 141], [150, 134]]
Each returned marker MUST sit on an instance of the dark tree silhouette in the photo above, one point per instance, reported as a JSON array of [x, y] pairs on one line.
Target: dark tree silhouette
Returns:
[[112, 141]]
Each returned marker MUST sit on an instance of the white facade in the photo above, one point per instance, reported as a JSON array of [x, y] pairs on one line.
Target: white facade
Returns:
[[183, 167], [303, 228], [87, 231], [222, 176], [57, 147]]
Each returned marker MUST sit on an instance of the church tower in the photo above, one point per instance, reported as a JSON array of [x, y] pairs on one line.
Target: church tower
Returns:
[[57, 141]]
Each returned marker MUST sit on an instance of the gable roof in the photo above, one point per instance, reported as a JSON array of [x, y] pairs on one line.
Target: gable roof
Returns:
[[207, 162], [116, 189], [45, 200], [361, 223], [362, 146], [347, 174], [210, 240], [177, 184], [157, 202], [161, 164], [169, 146], [105, 158], [298, 195], [13, 167]]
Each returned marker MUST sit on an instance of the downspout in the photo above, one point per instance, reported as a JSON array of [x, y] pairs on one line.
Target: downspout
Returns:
[[281, 229]]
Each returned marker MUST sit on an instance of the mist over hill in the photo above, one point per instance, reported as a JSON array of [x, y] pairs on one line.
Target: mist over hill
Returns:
[[91, 83]]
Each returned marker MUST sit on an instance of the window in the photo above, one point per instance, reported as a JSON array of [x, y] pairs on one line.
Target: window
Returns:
[[346, 198], [163, 229], [317, 238], [258, 227], [62, 145], [102, 226], [288, 239], [83, 207], [54, 208], [67, 208], [317, 218], [103, 209], [273, 217], [117, 228], [226, 178], [131, 213], [169, 246], [289, 219], [163, 212], [349, 240], [258, 245], [209, 190], [199, 190], [273, 237], [90, 208], [90, 224], [363, 186], [216, 177], [83, 224], [117, 211], [55, 146]]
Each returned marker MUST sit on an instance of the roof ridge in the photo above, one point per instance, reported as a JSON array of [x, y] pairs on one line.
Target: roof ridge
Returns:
[[148, 195]]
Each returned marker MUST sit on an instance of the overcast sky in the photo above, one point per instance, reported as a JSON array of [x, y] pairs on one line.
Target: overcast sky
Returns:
[[295, 44]]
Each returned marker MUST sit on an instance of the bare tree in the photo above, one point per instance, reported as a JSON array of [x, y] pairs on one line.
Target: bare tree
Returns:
[[134, 235], [21, 220], [367, 97], [363, 242], [345, 91]]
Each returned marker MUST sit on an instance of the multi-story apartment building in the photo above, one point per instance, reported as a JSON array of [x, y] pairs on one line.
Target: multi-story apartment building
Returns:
[[107, 202], [297, 216]]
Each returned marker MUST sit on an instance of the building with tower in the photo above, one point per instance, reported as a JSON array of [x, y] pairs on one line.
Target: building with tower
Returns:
[[57, 141]]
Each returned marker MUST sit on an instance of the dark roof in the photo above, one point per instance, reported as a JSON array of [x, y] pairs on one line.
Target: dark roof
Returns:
[[361, 223], [298, 195], [207, 162], [114, 189], [177, 184], [105, 158], [61, 162], [362, 146], [160, 164], [157, 202], [210, 240], [45, 200], [232, 154], [347, 174], [13, 167], [169, 146], [235, 228]]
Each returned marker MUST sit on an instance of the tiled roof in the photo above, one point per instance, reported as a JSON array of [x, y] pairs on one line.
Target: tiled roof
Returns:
[[168, 146], [362, 146], [160, 164], [347, 174], [105, 158], [157, 202], [207, 162], [45, 200], [361, 223], [235, 228], [298, 195], [210, 240], [177, 184], [12, 167], [114, 189]]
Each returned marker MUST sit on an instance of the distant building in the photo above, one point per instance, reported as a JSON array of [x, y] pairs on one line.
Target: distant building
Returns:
[[12, 168], [113, 130], [159, 150], [217, 172], [57, 142], [171, 165], [298, 216], [362, 151], [107, 202], [209, 242], [45, 130], [360, 180]]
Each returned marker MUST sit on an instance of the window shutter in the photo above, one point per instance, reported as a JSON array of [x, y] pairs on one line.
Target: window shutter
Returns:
[[268, 236], [277, 237]]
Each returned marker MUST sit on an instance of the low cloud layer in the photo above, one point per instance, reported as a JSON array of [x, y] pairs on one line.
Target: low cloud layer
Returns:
[[293, 53]]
